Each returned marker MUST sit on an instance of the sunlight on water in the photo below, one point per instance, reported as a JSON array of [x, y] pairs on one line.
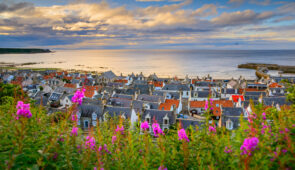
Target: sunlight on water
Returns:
[[165, 63]]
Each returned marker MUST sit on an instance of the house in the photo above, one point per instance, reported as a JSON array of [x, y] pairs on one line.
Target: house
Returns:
[[164, 118], [230, 117], [182, 88], [139, 106], [197, 108], [88, 115], [228, 92], [150, 98], [171, 104], [277, 102], [66, 100], [203, 95], [158, 85], [126, 113], [106, 77], [238, 100], [119, 102], [278, 91], [191, 122]]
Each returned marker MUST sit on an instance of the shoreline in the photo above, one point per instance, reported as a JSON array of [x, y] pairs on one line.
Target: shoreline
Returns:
[[281, 68], [23, 50]]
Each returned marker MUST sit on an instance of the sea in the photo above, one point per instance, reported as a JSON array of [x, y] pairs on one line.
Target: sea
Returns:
[[165, 63]]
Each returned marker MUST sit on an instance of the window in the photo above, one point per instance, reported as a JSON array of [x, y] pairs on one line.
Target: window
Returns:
[[148, 120], [166, 121], [86, 124], [229, 124], [187, 93]]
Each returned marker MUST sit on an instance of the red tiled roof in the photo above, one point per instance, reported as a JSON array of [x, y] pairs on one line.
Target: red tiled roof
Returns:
[[216, 103], [275, 85], [235, 98], [70, 85], [68, 78], [121, 81], [158, 84], [253, 89], [168, 104], [165, 106], [172, 101]]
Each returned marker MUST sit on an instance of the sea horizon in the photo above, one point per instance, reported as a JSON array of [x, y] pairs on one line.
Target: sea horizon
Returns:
[[164, 62]]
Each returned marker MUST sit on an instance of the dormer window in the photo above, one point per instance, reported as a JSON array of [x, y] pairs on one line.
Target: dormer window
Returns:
[[147, 119], [166, 121], [229, 124]]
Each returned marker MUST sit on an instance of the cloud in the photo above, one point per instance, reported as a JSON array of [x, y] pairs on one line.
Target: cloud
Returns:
[[241, 18], [236, 1], [206, 10], [15, 6], [101, 25]]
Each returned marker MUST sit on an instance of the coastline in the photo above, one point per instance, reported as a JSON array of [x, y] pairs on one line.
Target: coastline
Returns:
[[23, 50]]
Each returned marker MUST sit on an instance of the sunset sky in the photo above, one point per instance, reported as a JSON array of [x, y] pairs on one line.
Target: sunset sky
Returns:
[[148, 24]]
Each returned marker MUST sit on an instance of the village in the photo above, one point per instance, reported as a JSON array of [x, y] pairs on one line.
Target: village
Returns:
[[139, 98]]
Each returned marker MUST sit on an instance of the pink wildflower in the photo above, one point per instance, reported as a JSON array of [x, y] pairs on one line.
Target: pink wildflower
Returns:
[[90, 142], [157, 130], [74, 131], [228, 149], [23, 110], [162, 168], [120, 129], [263, 114], [78, 96], [284, 150], [287, 130], [206, 105], [249, 145], [106, 149], [74, 118], [212, 129], [114, 138], [144, 126], [182, 135]]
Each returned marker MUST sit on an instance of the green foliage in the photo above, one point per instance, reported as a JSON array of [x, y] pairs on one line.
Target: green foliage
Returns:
[[9, 90], [45, 142]]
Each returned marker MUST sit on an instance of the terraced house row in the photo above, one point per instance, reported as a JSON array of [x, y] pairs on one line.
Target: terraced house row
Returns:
[[138, 98]]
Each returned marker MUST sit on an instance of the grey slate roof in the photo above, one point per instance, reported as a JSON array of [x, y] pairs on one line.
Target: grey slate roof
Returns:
[[255, 93], [138, 105], [55, 96], [158, 116], [176, 87], [186, 123], [64, 89], [229, 91], [119, 102], [130, 91], [273, 101], [109, 75], [87, 110], [235, 120], [204, 83], [122, 96], [232, 111], [255, 98], [203, 94], [143, 88], [88, 101], [117, 111], [145, 97]]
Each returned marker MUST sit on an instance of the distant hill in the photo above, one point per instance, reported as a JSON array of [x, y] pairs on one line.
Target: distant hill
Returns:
[[22, 50]]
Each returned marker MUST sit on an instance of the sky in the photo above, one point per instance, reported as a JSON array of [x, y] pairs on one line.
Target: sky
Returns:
[[148, 24]]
